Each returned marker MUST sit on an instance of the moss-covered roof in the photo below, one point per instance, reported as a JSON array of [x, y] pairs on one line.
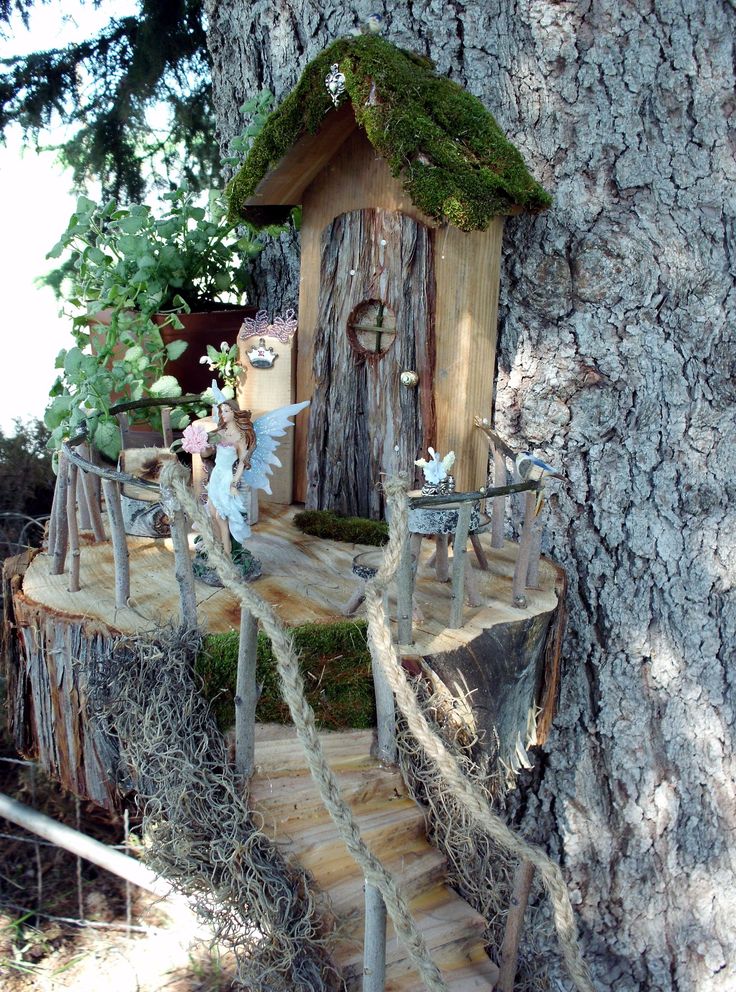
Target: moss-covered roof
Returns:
[[439, 141]]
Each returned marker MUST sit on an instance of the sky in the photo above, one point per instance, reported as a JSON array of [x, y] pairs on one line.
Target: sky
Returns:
[[35, 205]]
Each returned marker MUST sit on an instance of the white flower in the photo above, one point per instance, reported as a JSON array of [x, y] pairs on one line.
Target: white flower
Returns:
[[224, 346], [203, 360]]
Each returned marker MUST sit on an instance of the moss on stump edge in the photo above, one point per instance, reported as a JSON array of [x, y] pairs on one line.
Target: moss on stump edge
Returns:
[[440, 142], [335, 663], [352, 530]]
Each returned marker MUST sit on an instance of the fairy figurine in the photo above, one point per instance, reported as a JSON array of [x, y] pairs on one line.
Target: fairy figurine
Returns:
[[245, 455]]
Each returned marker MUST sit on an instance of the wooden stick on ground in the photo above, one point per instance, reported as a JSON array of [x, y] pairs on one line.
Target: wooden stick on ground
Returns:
[[524, 553], [71, 516], [246, 695], [84, 846], [514, 921], [61, 533], [119, 543]]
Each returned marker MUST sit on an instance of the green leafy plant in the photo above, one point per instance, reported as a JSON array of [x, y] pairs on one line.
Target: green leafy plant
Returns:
[[224, 363], [129, 272]]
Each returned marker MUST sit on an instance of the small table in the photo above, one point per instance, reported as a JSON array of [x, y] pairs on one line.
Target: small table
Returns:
[[440, 522]]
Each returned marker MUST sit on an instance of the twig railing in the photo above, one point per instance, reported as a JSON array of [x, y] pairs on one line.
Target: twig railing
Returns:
[[80, 484]]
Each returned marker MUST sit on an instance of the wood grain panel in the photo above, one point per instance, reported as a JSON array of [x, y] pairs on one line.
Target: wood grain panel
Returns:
[[467, 273]]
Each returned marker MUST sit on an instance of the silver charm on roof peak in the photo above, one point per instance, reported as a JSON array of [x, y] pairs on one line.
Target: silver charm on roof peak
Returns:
[[335, 83]]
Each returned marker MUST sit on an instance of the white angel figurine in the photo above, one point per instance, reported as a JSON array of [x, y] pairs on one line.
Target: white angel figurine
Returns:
[[244, 449], [437, 468]]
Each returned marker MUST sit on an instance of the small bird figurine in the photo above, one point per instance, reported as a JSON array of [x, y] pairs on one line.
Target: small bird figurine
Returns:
[[533, 469], [373, 25]]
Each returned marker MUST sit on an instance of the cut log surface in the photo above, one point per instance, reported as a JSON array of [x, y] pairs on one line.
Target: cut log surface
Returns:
[[286, 797], [306, 579]]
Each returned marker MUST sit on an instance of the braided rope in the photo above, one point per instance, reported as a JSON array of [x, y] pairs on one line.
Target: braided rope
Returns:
[[302, 714], [384, 654]]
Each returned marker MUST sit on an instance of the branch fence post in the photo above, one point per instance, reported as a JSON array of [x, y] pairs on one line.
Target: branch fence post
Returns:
[[514, 920], [119, 544], [246, 695], [404, 593], [524, 553], [385, 708], [458, 564], [183, 562], [71, 515], [498, 503], [61, 532], [374, 942]]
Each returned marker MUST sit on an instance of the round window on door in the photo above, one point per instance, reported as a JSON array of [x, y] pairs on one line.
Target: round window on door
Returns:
[[372, 328]]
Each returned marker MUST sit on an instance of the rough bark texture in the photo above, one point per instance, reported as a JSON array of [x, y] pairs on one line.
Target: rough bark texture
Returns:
[[364, 424], [49, 663], [616, 363]]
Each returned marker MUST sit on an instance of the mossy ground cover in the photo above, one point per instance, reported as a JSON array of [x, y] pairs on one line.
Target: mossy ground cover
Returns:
[[353, 530], [443, 145], [335, 663]]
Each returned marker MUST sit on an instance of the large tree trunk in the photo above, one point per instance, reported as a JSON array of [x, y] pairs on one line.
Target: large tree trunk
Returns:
[[617, 363]]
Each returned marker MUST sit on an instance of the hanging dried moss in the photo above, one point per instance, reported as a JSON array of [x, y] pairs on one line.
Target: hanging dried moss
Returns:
[[450, 155], [199, 833]]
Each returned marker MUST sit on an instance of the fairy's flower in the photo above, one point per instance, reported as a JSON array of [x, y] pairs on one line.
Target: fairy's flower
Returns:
[[194, 439]]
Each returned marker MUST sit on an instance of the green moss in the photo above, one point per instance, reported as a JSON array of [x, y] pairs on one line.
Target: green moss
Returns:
[[335, 663], [439, 140], [353, 530]]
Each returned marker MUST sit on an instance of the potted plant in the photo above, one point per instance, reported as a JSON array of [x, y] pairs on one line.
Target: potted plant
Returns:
[[133, 280]]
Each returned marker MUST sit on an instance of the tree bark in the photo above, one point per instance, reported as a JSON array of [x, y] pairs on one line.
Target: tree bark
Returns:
[[616, 364]]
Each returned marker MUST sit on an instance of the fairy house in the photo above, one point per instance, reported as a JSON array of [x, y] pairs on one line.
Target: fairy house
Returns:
[[404, 179]]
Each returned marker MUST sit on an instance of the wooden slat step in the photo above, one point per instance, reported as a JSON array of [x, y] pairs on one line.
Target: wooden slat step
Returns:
[[472, 971], [279, 752], [416, 867], [295, 798], [392, 825], [321, 851], [464, 965], [444, 919]]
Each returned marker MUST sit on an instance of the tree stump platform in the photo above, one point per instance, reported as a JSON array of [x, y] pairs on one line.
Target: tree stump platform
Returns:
[[495, 669]]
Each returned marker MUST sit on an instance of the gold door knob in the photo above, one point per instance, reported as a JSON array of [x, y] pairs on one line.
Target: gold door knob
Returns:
[[409, 378]]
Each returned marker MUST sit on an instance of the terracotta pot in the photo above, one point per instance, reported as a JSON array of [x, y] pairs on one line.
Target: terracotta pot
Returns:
[[200, 329]]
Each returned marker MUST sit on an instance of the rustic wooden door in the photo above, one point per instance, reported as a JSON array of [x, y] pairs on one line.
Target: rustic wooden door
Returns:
[[376, 320]]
